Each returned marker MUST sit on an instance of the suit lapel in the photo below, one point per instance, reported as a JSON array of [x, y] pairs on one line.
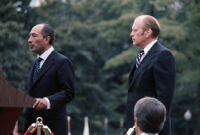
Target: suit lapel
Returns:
[[130, 79], [31, 75], [45, 67], [144, 62]]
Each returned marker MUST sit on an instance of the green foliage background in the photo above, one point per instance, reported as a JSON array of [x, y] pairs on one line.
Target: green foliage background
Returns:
[[94, 34]]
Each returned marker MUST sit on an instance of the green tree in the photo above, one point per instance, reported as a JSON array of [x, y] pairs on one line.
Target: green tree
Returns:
[[94, 34], [13, 48]]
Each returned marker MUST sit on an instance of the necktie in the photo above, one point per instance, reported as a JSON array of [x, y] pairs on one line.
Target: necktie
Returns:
[[36, 68], [138, 58]]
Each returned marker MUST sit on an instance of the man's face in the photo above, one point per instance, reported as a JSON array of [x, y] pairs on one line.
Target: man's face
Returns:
[[37, 42], [137, 34]]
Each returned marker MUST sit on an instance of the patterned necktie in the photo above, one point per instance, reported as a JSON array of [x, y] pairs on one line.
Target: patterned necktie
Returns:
[[138, 58], [36, 68]]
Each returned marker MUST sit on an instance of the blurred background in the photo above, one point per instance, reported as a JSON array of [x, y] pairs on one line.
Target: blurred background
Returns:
[[94, 34]]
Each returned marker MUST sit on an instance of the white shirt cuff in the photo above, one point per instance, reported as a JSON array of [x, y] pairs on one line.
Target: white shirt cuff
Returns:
[[48, 103]]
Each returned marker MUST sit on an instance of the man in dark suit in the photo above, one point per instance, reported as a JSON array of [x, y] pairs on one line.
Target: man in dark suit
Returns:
[[153, 74], [51, 81]]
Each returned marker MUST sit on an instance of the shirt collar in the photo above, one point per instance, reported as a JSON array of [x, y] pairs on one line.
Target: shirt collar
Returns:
[[148, 47], [45, 54]]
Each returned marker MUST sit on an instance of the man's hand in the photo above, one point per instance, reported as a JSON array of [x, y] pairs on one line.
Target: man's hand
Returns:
[[40, 104]]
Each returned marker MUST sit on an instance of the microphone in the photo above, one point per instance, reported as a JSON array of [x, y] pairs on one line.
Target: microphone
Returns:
[[130, 131]]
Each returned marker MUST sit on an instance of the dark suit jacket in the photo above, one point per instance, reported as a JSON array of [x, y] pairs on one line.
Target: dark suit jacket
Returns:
[[155, 77], [56, 82]]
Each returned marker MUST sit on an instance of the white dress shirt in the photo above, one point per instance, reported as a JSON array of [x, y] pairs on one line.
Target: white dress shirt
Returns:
[[147, 48], [44, 56]]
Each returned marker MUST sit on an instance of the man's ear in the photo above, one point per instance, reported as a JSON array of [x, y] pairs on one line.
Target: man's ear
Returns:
[[48, 38], [136, 122], [136, 126], [148, 32]]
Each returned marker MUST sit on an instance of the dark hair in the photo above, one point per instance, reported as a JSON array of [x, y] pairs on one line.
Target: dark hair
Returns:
[[150, 22], [151, 114], [47, 30]]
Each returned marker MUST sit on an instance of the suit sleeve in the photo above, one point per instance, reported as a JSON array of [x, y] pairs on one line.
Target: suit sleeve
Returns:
[[65, 78], [164, 77]]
